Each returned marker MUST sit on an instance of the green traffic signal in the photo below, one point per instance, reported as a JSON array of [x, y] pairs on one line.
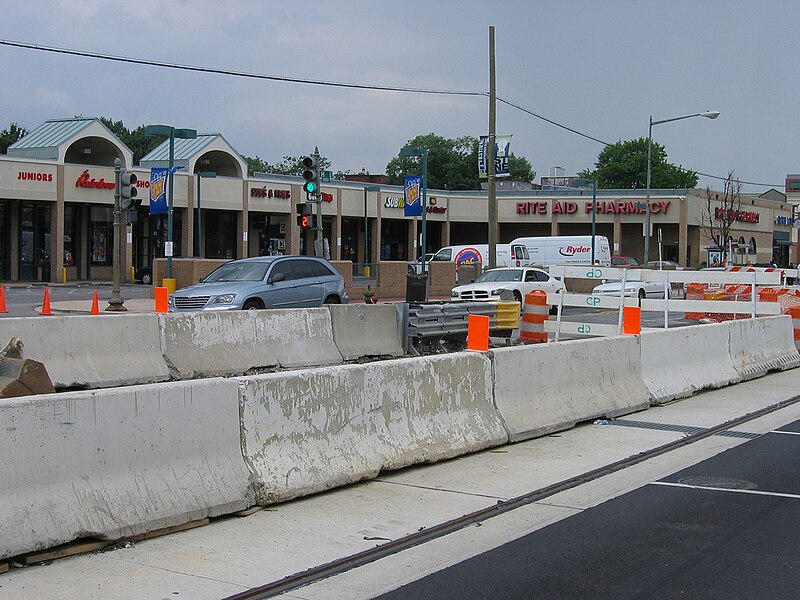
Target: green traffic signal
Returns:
[[310, 187]]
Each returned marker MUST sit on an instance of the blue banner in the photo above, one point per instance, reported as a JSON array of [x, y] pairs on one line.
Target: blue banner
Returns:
[[158, 191], [412, 194]]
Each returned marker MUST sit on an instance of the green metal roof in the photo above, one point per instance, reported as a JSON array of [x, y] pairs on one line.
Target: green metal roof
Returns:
[[184, 150], [45, 140]]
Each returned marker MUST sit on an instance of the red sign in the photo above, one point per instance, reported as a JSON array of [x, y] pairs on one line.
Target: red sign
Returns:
[[743, 216], [34, 176], [85, 181], [265, 193]]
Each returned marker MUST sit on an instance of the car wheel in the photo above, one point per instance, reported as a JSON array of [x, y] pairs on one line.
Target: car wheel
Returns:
[[251, 306], [517, 296], [642, 294], [147, 278], [332, 300]]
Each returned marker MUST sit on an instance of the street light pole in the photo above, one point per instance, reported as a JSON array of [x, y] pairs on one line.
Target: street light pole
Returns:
[[582, 182], [367, 188], [712, 114], [423, 152], [172, 133]]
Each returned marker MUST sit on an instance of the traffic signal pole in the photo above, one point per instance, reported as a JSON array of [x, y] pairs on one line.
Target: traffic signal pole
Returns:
[[116, 302]]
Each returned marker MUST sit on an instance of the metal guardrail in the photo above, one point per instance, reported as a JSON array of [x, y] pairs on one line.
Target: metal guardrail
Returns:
[[432, 326]]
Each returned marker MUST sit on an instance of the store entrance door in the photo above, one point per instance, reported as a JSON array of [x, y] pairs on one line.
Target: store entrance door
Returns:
[[34, 242]]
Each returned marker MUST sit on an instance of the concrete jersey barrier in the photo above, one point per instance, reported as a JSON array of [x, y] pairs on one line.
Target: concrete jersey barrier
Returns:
[[92, 351], [116, 463], [543, 388], [298, 337], [214, 344], [308, 431], [361, 330], [681, 361], [760, 345]]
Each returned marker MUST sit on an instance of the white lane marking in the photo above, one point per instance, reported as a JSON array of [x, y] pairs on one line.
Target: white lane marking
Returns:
[[786, 432], [718, 489]]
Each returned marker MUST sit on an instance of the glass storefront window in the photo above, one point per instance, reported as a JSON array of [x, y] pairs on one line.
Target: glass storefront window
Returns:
[[220, 234], [101, 238]]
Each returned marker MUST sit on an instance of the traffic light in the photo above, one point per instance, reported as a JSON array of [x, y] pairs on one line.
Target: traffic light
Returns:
[[311, 175], [127, 190], [305, 215]]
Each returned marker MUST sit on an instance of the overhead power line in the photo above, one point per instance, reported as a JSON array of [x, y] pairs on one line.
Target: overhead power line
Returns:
[[336, 84], [210, 70]]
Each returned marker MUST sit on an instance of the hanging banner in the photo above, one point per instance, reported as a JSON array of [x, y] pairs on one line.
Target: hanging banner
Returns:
[[412, 193], [158, 191], [502, 151]]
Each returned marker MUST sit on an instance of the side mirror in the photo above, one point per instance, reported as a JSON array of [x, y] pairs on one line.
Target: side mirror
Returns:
[[277, 277]]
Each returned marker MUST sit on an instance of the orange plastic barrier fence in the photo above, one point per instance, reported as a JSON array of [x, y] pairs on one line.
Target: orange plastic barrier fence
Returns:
[[632, 320], [478, 332]]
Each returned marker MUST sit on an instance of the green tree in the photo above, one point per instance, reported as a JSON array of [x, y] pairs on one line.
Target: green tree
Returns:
[[290, 165], [624, 166], [452, 163], [136, 140], [9, 136]]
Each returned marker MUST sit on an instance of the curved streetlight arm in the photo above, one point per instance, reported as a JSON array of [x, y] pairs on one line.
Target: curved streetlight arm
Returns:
[[710, 114]]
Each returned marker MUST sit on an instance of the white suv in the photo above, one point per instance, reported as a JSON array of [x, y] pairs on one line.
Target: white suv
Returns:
[[518, 280]]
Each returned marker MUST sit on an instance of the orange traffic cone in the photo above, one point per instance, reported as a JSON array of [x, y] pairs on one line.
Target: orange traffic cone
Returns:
[[95, 308], [46, 304], [3, 299]]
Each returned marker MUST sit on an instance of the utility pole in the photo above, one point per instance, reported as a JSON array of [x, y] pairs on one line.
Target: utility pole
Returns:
[[491, 153]]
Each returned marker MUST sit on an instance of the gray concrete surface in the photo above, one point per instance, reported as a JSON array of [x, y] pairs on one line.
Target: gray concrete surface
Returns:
[[233, 554]]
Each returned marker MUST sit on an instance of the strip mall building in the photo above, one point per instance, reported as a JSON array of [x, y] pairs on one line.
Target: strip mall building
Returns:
[[57, 199]]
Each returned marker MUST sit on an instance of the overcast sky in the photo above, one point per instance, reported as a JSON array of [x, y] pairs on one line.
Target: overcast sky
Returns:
[[602, 68]]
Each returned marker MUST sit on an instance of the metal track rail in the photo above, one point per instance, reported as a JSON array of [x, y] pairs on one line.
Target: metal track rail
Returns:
[[341, 565]]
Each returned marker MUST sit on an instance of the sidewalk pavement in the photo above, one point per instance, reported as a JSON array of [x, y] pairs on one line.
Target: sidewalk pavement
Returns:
[[134, 305]]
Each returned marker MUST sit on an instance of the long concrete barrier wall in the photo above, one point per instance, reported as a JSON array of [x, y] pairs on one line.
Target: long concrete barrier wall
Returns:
[[679, 362], [308, 431], [119, 462], [92, 352], [116, 350], [549, 387]]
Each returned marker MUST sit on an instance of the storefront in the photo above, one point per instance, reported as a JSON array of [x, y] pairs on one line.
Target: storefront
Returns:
[[57, 199]]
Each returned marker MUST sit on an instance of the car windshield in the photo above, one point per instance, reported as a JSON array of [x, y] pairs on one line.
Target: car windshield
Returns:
[[501, 275], [241, 271]]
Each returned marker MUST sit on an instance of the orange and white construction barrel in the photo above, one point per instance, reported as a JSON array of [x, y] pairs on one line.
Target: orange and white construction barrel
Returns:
[[535, 313]]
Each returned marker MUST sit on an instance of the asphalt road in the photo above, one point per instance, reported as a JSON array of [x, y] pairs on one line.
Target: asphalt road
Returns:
[[726, 527]]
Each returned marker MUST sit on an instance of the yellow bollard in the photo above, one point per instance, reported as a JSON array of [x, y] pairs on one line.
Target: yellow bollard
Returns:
[[63, 274], [133, 273], [169, 283]]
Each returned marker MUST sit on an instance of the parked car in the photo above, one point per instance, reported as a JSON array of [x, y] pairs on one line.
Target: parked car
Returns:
[[264, 282], [633, 289], [624, 261], [663, 265], [517, 280]]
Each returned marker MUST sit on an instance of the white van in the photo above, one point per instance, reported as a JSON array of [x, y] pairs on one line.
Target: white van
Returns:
[[506, 255], [566, 249]]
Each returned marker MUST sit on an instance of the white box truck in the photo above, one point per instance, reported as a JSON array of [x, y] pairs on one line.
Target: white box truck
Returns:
[[566, 249]]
